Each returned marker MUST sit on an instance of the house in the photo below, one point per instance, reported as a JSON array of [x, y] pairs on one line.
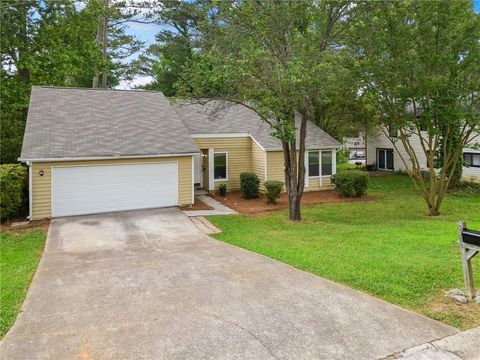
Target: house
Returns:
[[95, 150], [382, 155], [356, 146], [471, 160]]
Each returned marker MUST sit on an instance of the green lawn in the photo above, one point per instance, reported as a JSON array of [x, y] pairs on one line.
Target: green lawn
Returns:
[[19, 256], [387, 247]]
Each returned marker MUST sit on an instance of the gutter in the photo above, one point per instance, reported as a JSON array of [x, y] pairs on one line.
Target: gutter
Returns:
[[29, 160]]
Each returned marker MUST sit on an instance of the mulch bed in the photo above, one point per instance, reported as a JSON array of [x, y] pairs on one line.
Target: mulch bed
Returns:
[[41, 224], [199, 205], [260, 206]]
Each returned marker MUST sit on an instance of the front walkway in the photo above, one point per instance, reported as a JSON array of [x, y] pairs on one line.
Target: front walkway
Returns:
[[218, 208], [149, 285]]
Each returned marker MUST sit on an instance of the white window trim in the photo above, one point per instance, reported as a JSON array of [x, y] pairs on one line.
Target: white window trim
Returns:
[[226, 165]]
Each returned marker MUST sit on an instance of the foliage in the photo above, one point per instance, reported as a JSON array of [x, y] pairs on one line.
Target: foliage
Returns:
[[19, 256], [385, 247], [466, 189], [421, 72], [13, 180], [345, 166], [222, 189], [279, 59], [53, 43], [175, 43], [351, 183], [274, 189], [249, 184], [343, 155]]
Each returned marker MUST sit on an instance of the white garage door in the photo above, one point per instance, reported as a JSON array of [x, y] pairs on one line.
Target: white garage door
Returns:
[[103, 188]]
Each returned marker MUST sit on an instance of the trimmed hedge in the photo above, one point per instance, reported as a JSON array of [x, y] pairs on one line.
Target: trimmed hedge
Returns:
[[13, 186], [351, 183], [249, 184], [274, 189]]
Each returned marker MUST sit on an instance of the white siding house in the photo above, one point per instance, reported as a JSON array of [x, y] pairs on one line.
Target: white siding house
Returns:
[[382, 153], [385, 156], [471, 158]]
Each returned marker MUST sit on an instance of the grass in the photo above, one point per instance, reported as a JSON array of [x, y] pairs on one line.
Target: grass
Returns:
[[388, 247], [19, 256], [346, 166]]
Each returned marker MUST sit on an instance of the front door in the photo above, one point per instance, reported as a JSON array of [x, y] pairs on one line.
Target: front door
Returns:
[[198, 166], [385, 159]]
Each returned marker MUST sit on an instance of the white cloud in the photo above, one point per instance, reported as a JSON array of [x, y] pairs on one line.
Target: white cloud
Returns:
[[131, 84]]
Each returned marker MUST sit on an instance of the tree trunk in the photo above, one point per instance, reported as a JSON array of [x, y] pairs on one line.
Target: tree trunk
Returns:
[[295, 172], [105, 47]]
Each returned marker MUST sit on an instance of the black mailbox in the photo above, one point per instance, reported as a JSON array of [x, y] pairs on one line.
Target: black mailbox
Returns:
[[471, 237]]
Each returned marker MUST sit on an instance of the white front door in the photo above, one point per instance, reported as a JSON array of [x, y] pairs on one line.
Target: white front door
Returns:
[[198, 173], [78, 190]]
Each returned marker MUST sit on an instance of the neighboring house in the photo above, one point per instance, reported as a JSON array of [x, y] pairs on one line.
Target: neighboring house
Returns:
[[471, 160], [383, 156], [356, 146], [92, 151]]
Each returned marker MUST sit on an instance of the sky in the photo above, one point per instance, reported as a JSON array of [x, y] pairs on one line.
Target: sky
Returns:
[[147, 32]]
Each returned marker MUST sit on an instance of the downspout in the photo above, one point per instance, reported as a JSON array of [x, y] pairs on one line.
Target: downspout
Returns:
[[30, 193]]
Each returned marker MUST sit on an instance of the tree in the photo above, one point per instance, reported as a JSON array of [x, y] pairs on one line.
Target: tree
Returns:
[[274, 58], [43, 43], [421, 67], [176, 42], [115, 44]]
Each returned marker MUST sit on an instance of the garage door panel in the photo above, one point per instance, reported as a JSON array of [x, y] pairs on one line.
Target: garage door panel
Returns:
[[93, 189]]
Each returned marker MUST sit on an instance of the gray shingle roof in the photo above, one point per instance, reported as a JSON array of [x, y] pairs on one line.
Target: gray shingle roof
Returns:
[[80, 123], [214, 119], [75, 122]]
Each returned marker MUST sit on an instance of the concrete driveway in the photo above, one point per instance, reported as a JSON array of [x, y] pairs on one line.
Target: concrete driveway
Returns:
[[149, 285]]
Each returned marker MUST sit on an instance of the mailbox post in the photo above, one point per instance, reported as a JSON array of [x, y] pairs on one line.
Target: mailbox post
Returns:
[[469, 243]]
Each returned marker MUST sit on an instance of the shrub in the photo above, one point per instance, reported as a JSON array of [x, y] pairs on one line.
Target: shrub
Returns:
[[222, 189], [274, 189], [249, 184], [13, 185], [343, 155], [351, 183]]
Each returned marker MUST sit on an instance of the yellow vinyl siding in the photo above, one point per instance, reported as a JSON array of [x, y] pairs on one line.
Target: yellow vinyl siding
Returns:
[[259, 158], [239, 157], [41, 185], [275, 166], [314, 183]]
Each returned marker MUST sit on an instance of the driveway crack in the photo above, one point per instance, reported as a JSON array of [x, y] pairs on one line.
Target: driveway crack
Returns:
[[252, 334]]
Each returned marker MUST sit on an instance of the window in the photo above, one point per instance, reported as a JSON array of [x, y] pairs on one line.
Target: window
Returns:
[[471, 159], [392, 131], [327, 163], [313, 164], [220, 166]]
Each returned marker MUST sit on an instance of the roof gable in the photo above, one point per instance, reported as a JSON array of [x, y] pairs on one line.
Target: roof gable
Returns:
[[233, 118], [76, 122]]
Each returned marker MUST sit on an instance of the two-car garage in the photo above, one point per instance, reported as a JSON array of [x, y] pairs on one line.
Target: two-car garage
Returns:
[[67, 188], [78, 190]]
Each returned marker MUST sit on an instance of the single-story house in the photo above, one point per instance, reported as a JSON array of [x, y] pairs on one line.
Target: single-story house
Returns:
[[95, 150], [384, 156]]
